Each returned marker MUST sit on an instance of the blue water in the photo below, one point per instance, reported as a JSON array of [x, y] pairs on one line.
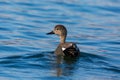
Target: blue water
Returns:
[[27, 53]]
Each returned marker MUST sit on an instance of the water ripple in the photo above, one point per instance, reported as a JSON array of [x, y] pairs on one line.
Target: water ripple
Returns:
[[28, 53]]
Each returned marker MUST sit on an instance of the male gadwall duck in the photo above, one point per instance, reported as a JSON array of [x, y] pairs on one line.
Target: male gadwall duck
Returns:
[[64, 48]]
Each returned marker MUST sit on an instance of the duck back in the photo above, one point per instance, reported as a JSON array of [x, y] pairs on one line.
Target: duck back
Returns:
[[70, 49]]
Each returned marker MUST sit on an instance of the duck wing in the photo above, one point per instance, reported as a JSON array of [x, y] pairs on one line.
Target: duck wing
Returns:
[[70, 49]]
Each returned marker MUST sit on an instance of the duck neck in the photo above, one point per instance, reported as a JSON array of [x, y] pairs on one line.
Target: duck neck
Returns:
[[62, 39]]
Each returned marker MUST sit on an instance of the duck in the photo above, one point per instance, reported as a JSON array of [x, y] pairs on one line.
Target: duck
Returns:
[[64, 48]]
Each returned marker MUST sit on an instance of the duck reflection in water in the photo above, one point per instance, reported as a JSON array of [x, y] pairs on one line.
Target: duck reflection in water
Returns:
[[65, 66]]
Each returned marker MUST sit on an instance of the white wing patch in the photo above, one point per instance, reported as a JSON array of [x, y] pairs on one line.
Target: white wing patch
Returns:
[[63, 48]]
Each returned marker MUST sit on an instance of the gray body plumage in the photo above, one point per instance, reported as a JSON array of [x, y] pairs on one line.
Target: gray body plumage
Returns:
[[67, 49]]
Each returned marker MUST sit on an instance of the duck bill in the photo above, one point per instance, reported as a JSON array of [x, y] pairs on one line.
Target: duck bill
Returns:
[[50, 33]]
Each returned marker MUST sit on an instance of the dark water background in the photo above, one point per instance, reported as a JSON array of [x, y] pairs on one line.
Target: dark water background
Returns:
[[27, 53]]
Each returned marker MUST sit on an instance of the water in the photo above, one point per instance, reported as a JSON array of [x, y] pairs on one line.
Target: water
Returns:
[[27, 53]]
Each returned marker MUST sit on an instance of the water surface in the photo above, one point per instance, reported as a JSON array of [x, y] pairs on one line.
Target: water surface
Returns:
[[27, 53]]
